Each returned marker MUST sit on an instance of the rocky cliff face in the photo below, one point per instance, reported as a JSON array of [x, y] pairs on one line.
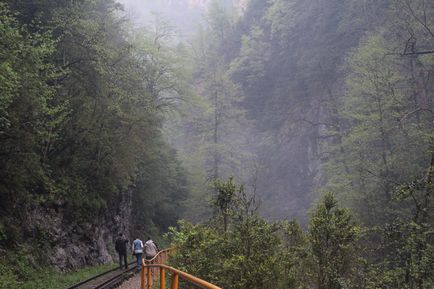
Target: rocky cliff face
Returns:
[[73, 243]]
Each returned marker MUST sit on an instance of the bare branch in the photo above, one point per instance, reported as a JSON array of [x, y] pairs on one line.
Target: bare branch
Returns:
[[418, 53], [421, 21], [413, 112]]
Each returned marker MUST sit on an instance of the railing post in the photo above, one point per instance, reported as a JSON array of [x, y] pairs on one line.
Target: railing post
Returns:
[[149, 277], [154, 270], [162, 278], [142, 275], [175, 280]]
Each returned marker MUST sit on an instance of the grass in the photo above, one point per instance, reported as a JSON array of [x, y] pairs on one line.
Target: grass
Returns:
[[20, 274]]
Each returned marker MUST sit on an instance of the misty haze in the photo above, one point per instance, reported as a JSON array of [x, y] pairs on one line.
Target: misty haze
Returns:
[[252, 144]]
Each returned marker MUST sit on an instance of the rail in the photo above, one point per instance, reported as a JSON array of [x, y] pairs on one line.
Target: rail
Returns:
[[105, 281], [149, 275]]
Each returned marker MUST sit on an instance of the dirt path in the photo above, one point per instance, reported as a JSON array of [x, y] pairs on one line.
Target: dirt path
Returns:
[[132, 283]]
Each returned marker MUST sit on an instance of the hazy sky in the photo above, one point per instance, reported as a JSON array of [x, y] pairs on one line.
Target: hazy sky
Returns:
[[183, 14]]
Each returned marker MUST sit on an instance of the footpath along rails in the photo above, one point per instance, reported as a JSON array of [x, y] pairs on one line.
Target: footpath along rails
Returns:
[[107, 280], [153, 273], [155, 270]]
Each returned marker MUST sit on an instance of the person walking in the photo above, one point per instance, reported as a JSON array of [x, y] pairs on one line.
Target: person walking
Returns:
[[151, 249], [121, 248], [137, 248]]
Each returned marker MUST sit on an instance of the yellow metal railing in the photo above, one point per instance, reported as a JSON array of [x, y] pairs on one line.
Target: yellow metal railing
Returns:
[[155, 268]]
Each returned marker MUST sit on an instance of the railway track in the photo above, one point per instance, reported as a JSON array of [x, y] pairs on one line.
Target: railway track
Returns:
[[106, 280]]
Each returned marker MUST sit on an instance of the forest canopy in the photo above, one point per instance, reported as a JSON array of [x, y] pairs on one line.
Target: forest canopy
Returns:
[[82, 104], [295, 138]]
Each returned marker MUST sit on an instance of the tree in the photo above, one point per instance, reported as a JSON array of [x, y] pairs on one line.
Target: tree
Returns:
[[28, 111], [224, 200], [384, 120], [332, 236], [243, 256], [82, 104], [407, 248], [214, 136], [295, 259]]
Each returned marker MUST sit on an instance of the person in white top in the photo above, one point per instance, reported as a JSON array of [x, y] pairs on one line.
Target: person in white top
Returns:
[[138, 252], [151, 249]]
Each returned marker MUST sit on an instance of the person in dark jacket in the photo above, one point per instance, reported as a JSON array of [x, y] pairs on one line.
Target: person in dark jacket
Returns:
[[121, 248]]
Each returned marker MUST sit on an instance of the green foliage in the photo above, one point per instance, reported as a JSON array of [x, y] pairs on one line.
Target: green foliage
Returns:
[[195, 243], [343, 93], [83, 100], [28, 113], [383, 132], [224, 199], [212, 132], [251, 63], [406, 242], [18, 271], [255, 247], [332, 236], [243, 256], [288, 69], [252, 253], [281, 16], [340, 94], [294, 257], [161, 186], [384, 140]]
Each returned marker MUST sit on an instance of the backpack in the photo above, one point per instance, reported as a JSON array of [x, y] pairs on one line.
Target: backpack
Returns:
[[150, 248]]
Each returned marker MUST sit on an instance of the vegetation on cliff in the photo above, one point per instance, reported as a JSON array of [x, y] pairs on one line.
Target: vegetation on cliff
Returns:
[[82, 102]]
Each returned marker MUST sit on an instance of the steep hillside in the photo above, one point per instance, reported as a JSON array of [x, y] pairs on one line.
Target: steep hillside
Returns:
[[82, 153]]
